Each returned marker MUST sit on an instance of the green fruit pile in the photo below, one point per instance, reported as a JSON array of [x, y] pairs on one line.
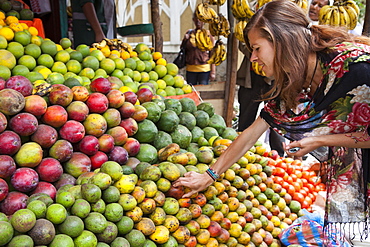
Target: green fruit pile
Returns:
[[16, 8]]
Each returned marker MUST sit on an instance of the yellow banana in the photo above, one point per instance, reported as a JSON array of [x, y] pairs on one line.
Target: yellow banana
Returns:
[[224, 26], [352, 16], [335, 17], [235, 10], [354, 5], [221, 2], [246, 9], [238, 30], [193, 39], [325, 15], [344, 17]]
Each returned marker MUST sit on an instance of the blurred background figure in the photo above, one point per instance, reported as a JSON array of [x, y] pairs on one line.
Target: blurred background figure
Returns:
[[93, 20], [198, 71]]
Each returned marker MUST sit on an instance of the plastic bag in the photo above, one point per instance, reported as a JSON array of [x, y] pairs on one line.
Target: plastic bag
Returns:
[[180, 59], [307, 233]]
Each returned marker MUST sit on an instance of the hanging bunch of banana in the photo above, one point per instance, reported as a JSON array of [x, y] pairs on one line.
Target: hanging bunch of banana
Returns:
[[218, 53], [241, 9], [260, 3], [257, 69], [217, 2], [113, 44], [238, 30], [302, 3], [341, 13], [220, 28], [202, 40], [206, 13]]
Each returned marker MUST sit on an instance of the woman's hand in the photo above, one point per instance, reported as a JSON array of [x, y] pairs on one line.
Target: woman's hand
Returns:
[[304, 146], [195, 181], [212, 76]]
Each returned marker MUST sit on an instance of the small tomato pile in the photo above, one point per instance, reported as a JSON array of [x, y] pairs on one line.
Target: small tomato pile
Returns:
[[297, 179]]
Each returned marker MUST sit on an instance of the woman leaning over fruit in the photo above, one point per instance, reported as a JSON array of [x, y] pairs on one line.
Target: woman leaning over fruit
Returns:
[[329, 118]]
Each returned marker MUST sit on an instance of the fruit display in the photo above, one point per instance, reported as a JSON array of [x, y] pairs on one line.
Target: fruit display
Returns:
[[218, 54], [15, 8], [341, 13]]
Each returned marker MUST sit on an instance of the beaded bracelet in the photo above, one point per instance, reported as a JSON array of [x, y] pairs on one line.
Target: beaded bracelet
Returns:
[[212, 174]]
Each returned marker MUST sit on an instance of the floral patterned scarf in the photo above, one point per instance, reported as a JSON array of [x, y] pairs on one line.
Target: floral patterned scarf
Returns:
[[341, 104]]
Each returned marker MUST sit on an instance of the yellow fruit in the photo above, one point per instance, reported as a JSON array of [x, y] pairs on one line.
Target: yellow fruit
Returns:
[[16, 27], [64, 42], [62, 56], [7, 59], [24, 25], [37, 40], [187, 89], [2, 22], [125, 54], [157, 55], [133, 54], [106, 51], [59, 47], [125, 89], [2, 15], [161, 61], [7, 33], [11, 19], [125, 184]]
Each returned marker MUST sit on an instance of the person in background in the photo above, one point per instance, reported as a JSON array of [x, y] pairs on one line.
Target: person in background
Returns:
[[198, 71], [314, 11], [93, 20], [251, 87], [320, 100]]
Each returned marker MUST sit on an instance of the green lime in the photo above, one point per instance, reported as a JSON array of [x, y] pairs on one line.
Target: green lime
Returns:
[[38, 208], [65, 198], [33, 50], [55, 78], [46, 60], [5, 72], [16, 49], [74, 66], [49, 47], [71, 82], [62, 56], [76, 55], [56, 213]]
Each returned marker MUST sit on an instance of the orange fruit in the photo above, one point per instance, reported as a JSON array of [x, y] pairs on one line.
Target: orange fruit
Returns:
[[157, 55]]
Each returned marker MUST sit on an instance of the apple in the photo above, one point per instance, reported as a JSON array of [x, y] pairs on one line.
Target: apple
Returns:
[[116, 98], [132, 146], [72, 131], [80, 93], [106, 143], [225, 223], [24, 124], [10, 142], [116, 83], [119, 135], [45, 135], [89, 145], [140, 113], [97, 103], [65, 179], [3, 122], [55, 116], [77, 110], [144, 95], [98, 159], [24, 179], [119, 155], [130, 126], [127, 110], [49, 170], [13, 202], [113, 117], [273, 154], [45, 187], [130, 97], [175, 192], [4, 189], [61, 95], [21, 84], [77, 164], [214, 229], [35, 104], [101, 85], [61, 150], [7, 166]]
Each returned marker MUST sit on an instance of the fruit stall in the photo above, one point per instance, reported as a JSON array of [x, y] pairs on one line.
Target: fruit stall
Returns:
[[92, 139]]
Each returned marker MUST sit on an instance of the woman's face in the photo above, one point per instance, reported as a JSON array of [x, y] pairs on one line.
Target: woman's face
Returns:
[[315, 7], [262, 52]]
